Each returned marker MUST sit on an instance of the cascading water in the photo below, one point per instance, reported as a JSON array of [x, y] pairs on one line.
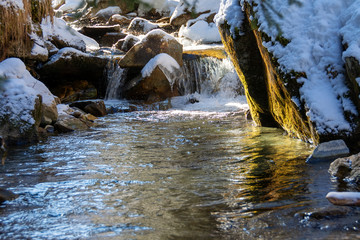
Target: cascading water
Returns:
[[200, 75], [208, 75], [115, 80]]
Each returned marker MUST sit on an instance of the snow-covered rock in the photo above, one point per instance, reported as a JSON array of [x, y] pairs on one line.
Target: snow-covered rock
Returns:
[[187, 10], [344, 198], [106, 13], [201, 31], [62, 35], [70, 5], [157, 80], [154, 43], [141, 26], [71, 65], [21, 108]]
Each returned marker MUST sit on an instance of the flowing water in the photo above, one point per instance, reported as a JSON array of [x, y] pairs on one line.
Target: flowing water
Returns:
[[194, 171]]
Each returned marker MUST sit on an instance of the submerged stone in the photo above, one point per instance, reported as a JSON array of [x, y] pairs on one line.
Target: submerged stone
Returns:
[[329, 150], [7, 195]]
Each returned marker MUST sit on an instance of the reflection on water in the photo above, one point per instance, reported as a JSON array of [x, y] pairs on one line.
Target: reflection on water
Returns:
[[165, 175]]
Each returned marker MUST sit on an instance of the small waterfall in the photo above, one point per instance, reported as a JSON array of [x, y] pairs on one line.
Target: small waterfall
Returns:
[[203, 75], [115, 80], [209, 75]]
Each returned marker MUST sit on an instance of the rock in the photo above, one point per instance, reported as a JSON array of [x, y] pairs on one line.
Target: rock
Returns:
[[106, 13], [104, 35], [49, 128], [7, 195], [119, 19], [141, 26], [78, 65], [96, 108], [353, 72], [126, 6], [151, 89], [346, 169], [68, 123], [344, 198], [127, 43], [329, 150], [154, 43]]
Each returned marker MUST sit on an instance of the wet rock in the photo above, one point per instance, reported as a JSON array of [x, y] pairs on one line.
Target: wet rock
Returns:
[[154, 43], [344, 198], [141, 26], [7, 195], [324, 213], [96, 108], [347, 168], [153, 88], [329, 150], [68, 123]]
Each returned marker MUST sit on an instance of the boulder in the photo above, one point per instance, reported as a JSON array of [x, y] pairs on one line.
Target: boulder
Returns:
[[154, 43], [96, 108], [157, 80], [78, 65], [25, 103], [346, 169], [329, 151], [141, 26]]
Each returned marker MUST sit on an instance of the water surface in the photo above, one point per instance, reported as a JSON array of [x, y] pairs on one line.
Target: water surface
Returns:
[[183, 173]]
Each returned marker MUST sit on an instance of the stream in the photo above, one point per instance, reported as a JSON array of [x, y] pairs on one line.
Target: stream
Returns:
[[191, 171]]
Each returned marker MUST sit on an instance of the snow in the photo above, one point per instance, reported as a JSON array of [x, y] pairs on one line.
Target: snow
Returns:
[[230, 10], [66, 53], [164, 36], [164, 7], [200, 6], [350, 31], [12, 3], [201, 32], [164, 61], [19, 92], [61, 30], [72, 5], [315, 48], [355, 196]]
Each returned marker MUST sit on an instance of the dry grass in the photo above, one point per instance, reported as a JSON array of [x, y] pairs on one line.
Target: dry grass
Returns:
[[15, 26]]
